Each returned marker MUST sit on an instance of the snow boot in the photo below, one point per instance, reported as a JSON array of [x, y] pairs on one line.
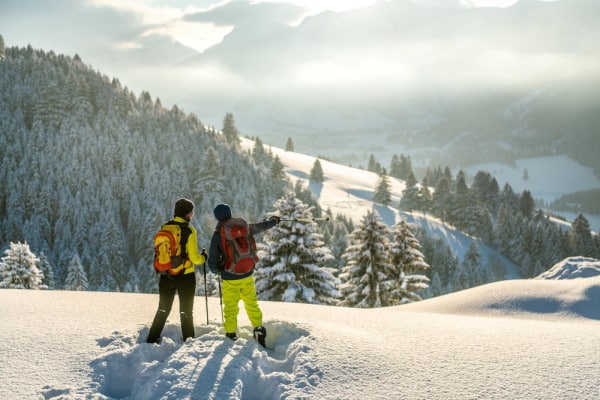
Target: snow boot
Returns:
[[232, 335], [260, 334]]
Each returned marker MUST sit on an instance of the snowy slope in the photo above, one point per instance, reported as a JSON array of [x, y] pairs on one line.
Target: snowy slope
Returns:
[[349, 191], [526, 339]]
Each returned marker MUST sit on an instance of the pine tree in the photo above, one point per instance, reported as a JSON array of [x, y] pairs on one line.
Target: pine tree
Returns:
[[76, 277], [230, 131], [395, 169], [410, 196], [47, 272], [316, 172], [289, 145], [373, 165], [580, 237], [526, 204], [442, 199], [18, 268], [405, 254], [368, 275], [382, 193], [290, 258], [212, 181], [471, 272], [259, 154], [443, 263], [277, 169]]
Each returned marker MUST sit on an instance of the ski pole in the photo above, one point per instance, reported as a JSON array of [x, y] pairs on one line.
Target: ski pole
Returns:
[[221, 299], [303, 219], [205, 292]]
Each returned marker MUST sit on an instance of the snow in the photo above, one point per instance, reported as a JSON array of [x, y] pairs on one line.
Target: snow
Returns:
[[529, 339], [526, 339], [573, 267]]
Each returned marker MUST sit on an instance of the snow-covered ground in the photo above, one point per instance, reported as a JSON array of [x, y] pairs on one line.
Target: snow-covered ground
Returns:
[[525, 339]]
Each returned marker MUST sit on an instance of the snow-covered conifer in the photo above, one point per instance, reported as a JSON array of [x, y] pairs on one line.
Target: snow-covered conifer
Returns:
[[406, 256], [368, 273], [382, 193], [47, 271], [291, 258], [18, 268], [316, 173], [76, 276]]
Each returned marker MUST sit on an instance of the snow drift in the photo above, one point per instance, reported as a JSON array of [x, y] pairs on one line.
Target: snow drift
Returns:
[[511, 339]]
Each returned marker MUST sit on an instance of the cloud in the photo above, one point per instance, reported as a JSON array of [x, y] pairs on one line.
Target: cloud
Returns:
[[232, 51]]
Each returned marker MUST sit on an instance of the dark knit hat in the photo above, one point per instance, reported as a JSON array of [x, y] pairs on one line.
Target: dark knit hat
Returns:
[[222, 212], [183, 207]]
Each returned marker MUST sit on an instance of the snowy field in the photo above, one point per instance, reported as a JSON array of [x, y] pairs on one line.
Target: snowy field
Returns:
[[520, 339]]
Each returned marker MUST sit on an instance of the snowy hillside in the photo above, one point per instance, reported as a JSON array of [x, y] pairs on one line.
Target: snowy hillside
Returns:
[[349, 191], [526, 339]]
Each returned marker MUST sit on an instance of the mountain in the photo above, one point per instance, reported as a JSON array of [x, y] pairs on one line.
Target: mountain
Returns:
[[437, 348], [90, 168], [432, 82]]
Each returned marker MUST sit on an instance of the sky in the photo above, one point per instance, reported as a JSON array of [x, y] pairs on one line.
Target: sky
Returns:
[[255, 51], [154, 16], [161, 16]]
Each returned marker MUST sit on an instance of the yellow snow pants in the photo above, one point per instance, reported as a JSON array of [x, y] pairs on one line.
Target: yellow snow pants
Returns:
[[233, 291]]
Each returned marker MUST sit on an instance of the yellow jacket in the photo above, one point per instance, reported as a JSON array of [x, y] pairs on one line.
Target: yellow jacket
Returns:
[[191, 247]]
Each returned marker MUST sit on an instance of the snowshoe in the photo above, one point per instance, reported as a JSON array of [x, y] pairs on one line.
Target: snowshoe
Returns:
[[232, 335]]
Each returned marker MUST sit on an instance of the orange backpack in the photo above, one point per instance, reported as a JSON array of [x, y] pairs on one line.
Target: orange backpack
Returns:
[[169, 248]]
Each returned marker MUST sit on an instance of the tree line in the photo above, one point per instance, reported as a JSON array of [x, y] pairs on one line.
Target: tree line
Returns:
[[501, 218]]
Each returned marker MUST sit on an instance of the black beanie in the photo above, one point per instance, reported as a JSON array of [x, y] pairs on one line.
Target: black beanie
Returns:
[[222, 212], [183, 207]]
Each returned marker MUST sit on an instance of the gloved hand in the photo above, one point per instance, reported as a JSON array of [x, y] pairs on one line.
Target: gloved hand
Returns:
[[204, 254], [275, 218]]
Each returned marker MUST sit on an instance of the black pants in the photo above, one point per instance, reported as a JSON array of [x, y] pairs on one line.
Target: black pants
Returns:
[[185, 286]]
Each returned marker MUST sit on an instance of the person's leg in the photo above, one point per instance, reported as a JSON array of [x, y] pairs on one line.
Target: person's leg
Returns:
[[166, 293], [231, 298], [248, 295], [186, 289]]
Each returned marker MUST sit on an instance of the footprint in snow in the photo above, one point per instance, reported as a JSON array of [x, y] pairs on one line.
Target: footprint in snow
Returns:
[[209, 366]]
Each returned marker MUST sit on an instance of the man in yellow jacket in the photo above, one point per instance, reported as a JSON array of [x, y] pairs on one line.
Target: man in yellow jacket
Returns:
[[184, 283], [237, 286]]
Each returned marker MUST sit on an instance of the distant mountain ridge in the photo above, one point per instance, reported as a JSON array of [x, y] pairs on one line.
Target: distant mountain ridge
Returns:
[[526, 101]]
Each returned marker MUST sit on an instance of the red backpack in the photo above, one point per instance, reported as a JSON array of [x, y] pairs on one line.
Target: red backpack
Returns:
[[238, 245]]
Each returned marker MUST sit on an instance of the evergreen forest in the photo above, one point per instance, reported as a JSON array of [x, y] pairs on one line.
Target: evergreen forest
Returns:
[[89, 170]]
